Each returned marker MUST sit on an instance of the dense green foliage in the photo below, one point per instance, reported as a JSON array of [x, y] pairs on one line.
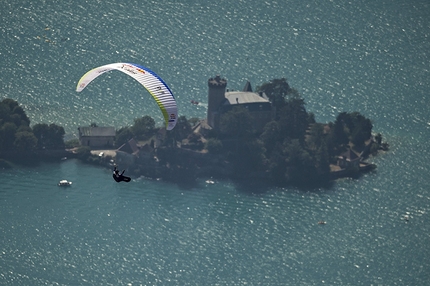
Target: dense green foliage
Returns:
[[83, 153], [236, 123], [122, 136], [72, 143], [142, 129], [49, 136], [214, 146], [181, 131], [276, 90], [16, 135]]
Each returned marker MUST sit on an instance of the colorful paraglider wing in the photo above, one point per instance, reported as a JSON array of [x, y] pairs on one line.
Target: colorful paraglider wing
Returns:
[[149, 79]]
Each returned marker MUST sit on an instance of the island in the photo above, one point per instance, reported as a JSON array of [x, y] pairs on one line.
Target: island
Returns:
[[266, 135]]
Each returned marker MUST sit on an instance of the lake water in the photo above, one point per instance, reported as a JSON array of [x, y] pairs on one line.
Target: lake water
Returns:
[[366, 56]]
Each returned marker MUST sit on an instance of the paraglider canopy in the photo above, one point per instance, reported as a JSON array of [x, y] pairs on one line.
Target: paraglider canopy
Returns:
[[149, 79]]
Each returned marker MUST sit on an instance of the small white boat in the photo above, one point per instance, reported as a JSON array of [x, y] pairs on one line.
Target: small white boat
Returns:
[[64, 183]]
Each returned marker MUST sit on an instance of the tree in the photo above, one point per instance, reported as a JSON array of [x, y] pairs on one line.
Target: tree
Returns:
[[249, 157], [378, 138], [317, 144], [270, 136], [316, 136], [182, 129], [143, 127], [339, 132], [322, 159], [84, 153], [290, 108], [23, 119], [49, 136], [277, 166], [10, 111], [300, 165], [10, 103], [352, 127], [236, 123], [276, 90], [4, 113], [7, 136], [214, 146], [56, 135], [293, 119], [72, 143], [122, 136], [255, 154], [362, 129], [41, 132], [13, 120], [25, 142], [24, 128]]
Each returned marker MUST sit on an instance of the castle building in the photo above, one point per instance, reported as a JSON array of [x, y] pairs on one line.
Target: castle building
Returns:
[[221, 101]]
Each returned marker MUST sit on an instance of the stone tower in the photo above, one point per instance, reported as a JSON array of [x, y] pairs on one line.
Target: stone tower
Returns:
[[216, 96]]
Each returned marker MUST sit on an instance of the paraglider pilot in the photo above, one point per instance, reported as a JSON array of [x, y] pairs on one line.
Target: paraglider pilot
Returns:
[[120, 177]]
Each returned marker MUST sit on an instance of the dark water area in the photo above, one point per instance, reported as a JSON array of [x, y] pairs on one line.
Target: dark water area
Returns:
[[365, 56]]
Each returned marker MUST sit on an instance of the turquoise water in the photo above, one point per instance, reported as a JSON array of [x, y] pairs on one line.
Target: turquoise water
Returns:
[[359, 56]]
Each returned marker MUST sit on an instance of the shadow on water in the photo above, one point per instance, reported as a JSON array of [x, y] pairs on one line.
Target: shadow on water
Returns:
[[17, 162], [187, 185], [259, 187], [253, 187], [319, 186], [314, 186]]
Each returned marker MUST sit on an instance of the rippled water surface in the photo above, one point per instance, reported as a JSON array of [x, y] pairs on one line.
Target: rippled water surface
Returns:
[[358, 56]]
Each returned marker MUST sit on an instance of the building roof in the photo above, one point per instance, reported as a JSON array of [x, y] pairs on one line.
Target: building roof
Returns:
[[129, 147], [349, 155], [97, 131], [241, 97]]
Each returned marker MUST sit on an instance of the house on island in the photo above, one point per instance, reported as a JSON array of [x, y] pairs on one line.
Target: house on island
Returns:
[[349, 161], [97, 137], [129, 147], [127, 153], [221, 100], [132, 154], [131, 151]]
